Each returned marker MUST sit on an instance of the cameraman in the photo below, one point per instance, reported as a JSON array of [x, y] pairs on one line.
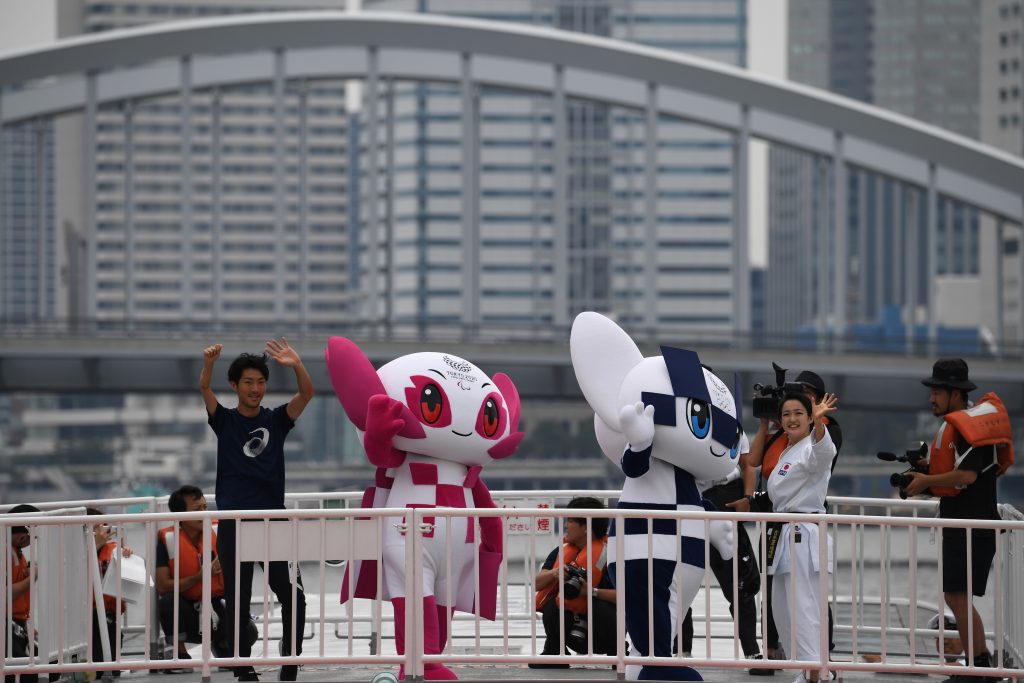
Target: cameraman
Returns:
[[966, 486], [596, 587]]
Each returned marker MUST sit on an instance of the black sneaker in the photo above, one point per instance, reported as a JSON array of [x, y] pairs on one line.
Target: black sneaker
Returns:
[[758, 671], [547, 665], [246, 673], [289, 672]]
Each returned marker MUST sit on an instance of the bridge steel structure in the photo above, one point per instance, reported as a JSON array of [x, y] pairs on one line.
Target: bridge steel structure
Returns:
[[82, 74]]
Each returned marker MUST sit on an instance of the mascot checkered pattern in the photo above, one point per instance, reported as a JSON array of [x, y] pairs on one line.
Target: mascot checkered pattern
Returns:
[[429, 422]]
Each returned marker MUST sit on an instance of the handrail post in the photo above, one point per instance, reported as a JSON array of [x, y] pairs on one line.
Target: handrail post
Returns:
[[823, 572], [413, 598], [206, 625]]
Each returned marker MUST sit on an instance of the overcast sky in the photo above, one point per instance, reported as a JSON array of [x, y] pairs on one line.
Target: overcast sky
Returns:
[[766, 38], [24, 23]]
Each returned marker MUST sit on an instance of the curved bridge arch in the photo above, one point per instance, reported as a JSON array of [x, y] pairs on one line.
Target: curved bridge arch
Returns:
[[80, 74], [518, 57]]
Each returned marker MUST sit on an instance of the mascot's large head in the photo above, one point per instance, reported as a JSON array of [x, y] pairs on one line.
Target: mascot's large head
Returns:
[[450, 408], [697, 420]]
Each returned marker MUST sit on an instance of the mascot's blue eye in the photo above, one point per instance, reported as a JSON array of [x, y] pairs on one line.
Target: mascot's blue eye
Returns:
[[699, 417]]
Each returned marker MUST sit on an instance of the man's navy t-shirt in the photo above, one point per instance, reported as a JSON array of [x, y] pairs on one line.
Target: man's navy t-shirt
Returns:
[[250, 458]]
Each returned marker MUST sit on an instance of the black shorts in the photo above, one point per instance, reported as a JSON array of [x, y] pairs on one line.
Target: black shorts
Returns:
[[954, 561]]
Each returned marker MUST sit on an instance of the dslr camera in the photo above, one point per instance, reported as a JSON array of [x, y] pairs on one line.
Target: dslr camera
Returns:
[[916, 459], [576, 636], [575, 580], [768, 399]]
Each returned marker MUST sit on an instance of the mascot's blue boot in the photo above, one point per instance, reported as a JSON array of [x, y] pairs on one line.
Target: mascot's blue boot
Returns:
[[669, 673]]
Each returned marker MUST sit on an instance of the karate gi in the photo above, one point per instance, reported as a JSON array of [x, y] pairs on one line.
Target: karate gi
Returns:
[[799, 485]]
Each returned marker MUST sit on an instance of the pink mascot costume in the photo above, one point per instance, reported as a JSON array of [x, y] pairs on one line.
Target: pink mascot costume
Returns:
[[429, 422]]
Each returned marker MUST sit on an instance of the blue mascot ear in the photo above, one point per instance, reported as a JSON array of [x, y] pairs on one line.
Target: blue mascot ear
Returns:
[[686, 373]]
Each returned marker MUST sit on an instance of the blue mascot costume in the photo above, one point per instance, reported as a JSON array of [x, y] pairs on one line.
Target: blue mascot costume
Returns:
[[666, 421]]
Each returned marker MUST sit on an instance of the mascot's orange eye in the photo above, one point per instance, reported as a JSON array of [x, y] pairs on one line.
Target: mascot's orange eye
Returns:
[[431, 403], [490, 421]]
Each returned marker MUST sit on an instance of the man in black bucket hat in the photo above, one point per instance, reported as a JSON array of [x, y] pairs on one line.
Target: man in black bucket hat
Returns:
[[964, 478], [950, 373]]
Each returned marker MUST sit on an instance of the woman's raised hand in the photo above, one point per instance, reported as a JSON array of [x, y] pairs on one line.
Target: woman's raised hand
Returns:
[[827, 404]]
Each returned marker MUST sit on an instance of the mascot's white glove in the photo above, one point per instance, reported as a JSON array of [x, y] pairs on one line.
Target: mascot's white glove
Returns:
[[721, 537], [637, 426]]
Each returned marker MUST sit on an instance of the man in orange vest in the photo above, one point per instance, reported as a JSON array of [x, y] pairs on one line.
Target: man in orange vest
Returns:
[[186, 555], [969, 474], [579, 593], [21, 593]]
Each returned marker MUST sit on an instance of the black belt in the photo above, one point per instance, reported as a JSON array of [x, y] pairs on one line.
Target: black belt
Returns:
[[774, 532]]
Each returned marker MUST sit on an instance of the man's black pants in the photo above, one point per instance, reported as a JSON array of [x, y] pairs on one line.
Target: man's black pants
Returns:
[[602, 627], [280, 582], [749, 580]]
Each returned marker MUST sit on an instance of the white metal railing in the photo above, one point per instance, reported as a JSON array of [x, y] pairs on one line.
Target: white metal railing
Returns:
[[358, 635]]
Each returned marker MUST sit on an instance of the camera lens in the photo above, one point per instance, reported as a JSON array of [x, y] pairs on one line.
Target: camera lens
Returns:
[[576, 636], [899, 480]]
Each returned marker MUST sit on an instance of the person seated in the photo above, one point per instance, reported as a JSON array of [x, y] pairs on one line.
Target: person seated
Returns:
[[186, 552], [105, 546], [585, 583], [22, 575]]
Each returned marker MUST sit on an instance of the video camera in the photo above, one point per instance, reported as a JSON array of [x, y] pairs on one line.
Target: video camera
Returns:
[[916, 459], [768, 399]]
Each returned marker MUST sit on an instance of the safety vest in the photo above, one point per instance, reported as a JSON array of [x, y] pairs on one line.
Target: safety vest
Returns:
[[986, 423], [191, 555], [21, 605], [571, 555], [777, 443], [104, 555]]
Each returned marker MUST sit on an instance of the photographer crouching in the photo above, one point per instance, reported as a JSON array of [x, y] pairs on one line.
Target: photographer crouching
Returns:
[[585, 582]]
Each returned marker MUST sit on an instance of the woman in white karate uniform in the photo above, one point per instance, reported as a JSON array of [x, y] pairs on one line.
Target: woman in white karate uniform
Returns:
[[799, 485]]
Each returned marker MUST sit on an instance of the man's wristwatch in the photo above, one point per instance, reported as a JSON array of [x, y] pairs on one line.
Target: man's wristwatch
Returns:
[[593, 591]]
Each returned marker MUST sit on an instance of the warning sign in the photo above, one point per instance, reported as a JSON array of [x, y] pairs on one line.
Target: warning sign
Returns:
[[515, 525]]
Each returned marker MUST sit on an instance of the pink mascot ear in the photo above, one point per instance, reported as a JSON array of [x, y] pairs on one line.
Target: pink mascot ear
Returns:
[[355, 380], [511, 395], [508, 445]]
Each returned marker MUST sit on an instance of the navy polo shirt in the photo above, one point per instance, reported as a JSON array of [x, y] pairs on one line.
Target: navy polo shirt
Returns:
[[250, 458]]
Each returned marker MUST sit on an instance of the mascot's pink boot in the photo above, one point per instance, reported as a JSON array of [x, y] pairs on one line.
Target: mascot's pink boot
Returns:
[[432, 638]]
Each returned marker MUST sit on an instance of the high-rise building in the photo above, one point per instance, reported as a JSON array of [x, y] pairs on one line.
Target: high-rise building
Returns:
[[918, 58], [1002, 126], [28, 244], [277, 248], [605, 186], [1002, 75]]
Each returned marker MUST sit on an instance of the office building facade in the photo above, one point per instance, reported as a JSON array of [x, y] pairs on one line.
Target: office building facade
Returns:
[[919, 59], [516, 282]]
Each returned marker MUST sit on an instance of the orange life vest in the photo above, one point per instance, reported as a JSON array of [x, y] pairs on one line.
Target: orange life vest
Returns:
[[772, 453], [191, 555], [21, 605], [594, 562], [986, 423], [778, 444], [104, 555]]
